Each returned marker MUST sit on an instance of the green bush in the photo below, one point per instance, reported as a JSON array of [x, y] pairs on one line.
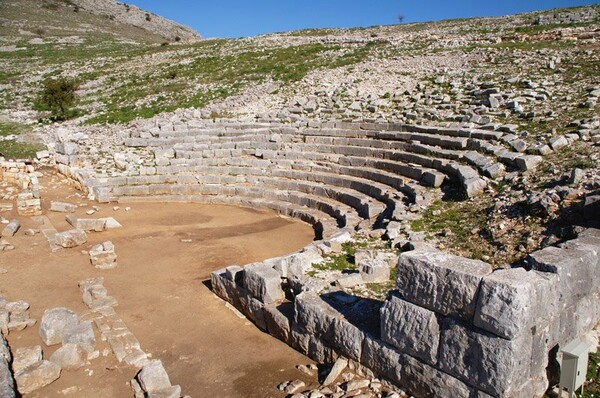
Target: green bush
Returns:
[[57, 96]]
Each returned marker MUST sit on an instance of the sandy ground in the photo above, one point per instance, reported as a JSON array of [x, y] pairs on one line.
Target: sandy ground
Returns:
[[165, 255]]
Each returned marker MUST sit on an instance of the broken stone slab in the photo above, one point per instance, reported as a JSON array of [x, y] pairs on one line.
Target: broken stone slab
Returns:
[[103, 256], [70, 356], [410, 328], [153, 377], [62, 207], [87, 224], [11, 228], [25, 357], [441, 282], [528, 162], [263, 282], [294, 387], [82, 335], [347, 281], [558, 142], [70, 238], [37, 376], [55, 323], [338, 367]]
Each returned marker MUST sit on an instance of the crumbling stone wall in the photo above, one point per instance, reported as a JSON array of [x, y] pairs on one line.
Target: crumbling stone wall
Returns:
[[452, 328], [584, 15]]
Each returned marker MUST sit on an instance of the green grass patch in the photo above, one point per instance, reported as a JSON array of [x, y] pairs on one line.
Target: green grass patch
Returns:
[[14, 148]]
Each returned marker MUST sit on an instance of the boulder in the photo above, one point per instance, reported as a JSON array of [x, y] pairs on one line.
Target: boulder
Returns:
[[55, 322], [11, 228]]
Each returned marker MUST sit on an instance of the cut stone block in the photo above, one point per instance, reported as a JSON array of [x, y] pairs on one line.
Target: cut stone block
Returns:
[[441, 282], [263, 282], [496, 365], [412, 329], [510, 301], [62, 207], [87, 224], [71, 238], [55, 322], [374, 271], [381, 358]]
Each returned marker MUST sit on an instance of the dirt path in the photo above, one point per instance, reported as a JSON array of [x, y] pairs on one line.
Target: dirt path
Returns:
[[165, 255]]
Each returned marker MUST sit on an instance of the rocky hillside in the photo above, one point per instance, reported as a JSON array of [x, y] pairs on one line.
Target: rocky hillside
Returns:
[[79, 19]]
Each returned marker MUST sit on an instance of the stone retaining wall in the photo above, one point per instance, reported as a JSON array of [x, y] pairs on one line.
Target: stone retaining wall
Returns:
[[452, 328]]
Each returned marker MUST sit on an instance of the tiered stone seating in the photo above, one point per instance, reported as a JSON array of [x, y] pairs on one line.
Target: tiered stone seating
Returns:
[[331, 175]]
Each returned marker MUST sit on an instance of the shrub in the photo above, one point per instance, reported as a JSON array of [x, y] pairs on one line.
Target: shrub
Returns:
[[57, 96]]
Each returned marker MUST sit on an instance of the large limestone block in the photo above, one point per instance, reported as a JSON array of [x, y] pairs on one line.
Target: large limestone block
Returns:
[[263, 282], [410, 328], [496, 365], [314, 314], [383, 359], [512, 300], [37, 376], [55, 323], [576, 268], [346, 338], [278, 318], [374, 271], [441, 282], [426, 381]]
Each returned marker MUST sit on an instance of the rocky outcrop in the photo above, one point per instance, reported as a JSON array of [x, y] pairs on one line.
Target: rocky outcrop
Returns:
[[132, 15]]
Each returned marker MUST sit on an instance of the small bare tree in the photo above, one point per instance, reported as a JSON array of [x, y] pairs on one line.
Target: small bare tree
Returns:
[[401, 18]]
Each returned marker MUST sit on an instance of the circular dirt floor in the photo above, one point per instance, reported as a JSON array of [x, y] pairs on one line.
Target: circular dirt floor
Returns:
[[166, 252]]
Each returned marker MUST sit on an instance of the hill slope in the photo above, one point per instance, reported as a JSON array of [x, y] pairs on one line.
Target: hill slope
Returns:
[[87, 18]]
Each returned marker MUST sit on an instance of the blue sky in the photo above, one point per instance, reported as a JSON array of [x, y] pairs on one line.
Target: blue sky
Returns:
[[237, 18]]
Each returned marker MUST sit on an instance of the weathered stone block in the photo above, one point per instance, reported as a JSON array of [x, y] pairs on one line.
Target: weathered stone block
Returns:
[[441, 282], [374, 271], [382, 359], [426, 381], [278, 319], [346, 338], [70, 356], [11, 228], [81, 334], [314, 314], [410, 328], [509, 301], [87, 224], [62, 207], [103, 256], [576, 268], [263, 282], [496, 365], [37, 376], [55, 322], [7, 384], [71, 238], [26, 357], [153, 377]]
